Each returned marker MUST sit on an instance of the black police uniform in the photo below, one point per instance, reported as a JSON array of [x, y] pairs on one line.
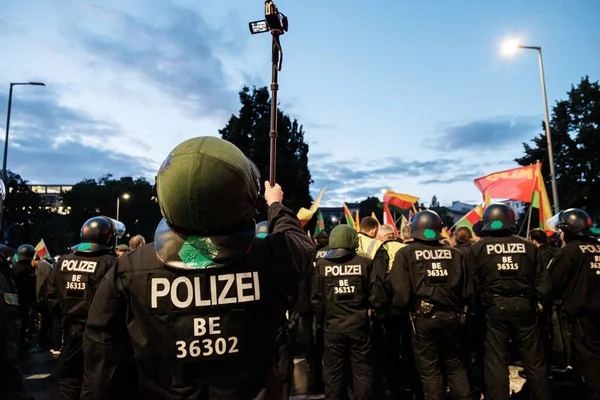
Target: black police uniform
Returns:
[[70, 288], [546, 254], [196, 332], [510, 280], [319, 333], [23, 275], [435, 274], [341, 291], [575, 276], [11, 379]]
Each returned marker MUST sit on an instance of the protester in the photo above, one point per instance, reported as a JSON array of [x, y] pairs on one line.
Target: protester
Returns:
[[136, 242]]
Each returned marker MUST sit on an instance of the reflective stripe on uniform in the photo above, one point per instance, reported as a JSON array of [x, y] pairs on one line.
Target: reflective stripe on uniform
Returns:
[[367, 245], [392, 248]]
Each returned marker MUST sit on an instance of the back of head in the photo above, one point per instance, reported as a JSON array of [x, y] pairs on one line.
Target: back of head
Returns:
[[386, 232], [539, 236], [426, 225], [25, 253], [369, 225], [343, 241], [136, 241], [322, 239], [463, 235], [499, 219]]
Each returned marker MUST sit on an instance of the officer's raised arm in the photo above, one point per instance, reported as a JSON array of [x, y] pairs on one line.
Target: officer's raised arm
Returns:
[[299, 250]]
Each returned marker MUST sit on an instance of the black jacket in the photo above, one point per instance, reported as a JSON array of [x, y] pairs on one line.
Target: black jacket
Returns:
[[508, 265], [575, 276], [431, 272], [23, 275], [546, 254], [342, 289], [72, 283], [193, 330]]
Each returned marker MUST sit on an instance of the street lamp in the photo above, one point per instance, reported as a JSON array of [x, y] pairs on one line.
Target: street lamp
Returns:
[[125, 196], [510, 47], [6, 141]]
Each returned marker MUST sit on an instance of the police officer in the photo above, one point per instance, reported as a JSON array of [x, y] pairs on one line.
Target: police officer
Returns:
[[430, 280], [316, 378], [71, 286], [199, 309], [575, 276], [23, 275], [510, 280], [342, 288]]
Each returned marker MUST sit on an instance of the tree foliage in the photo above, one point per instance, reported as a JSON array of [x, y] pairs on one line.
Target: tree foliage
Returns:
[[575, 130], [249, 130], [371, 205]]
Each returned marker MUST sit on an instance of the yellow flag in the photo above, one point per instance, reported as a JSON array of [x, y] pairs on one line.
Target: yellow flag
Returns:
[[374, 216], [487, 199], [356, 222], [305, 215]]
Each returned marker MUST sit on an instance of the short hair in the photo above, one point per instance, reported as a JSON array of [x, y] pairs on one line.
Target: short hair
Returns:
[[322, 239], [386, 230], [539, 236], [368, 224], [463, 234], [136, 241]]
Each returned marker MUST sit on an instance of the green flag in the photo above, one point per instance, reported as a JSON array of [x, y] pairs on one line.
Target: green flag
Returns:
[[320, 227]]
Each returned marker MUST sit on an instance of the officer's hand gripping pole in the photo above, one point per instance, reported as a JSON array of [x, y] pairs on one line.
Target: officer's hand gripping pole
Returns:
[[276, 23]]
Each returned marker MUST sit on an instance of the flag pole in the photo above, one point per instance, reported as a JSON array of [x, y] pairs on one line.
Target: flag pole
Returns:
[[532, 193]]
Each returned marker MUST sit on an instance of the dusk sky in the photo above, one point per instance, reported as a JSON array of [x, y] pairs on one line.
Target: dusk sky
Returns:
[[412, 96]]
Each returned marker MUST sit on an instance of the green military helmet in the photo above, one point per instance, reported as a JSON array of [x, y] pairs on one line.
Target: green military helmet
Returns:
[[343, 240], [207, 185]]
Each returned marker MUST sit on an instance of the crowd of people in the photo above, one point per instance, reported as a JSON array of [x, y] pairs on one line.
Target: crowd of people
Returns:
[[216, 305]]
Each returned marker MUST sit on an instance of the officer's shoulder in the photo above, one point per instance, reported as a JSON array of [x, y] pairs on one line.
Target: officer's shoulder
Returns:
[[139, 260], [362, 259]]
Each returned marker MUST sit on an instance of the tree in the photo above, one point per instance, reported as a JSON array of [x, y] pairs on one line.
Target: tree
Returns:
[[91, 197], [434, 202], [371, 205], [21, 211], [575, 129], [250, 132]]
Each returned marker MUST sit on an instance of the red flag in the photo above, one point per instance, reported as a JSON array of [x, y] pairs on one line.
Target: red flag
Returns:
[[411, 214], [41, 250], [514, 184], [388, 219], [470, 218]]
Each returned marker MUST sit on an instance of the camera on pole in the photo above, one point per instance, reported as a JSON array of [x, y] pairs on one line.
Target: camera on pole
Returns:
[[276, 23]]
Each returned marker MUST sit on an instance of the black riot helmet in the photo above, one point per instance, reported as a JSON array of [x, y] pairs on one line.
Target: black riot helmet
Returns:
[[426, 225], [574, 221], [498, 217], [97, 234], [262, 229], [25, 252]]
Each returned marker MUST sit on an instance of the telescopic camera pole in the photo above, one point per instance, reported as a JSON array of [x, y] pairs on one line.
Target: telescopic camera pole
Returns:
[[276, 23]]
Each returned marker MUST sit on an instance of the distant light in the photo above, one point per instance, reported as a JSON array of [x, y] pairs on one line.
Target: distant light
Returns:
[[384, 191], [125, 196], [334, 218], [510, 47]]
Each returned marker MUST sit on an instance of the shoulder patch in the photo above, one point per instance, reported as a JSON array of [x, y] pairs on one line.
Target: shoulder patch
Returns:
[[11, 298]]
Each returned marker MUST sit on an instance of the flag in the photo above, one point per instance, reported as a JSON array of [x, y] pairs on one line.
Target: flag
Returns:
[[309, 234], [540, 199], [356, 221], [445, 232], [411, 214], [305, 215], [348, 215], [403, 201], [403, 223], [470, 218], [486, 198], [514, 184], [374, 216], [388, 219], [41, 250], [320, 226]]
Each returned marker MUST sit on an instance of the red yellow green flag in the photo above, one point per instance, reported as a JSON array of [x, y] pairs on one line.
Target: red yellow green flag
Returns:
[[470, 218], [41, 250], [356, 221], [348, 215], [403, 201], [540, 199], [388, 219], [305, 215], [320, 227]]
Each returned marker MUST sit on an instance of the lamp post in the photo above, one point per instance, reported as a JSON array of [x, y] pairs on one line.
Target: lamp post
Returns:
[[6, 142], [125, 196], [510, 47]]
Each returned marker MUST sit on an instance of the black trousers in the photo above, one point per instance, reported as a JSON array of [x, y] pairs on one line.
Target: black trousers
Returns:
[[68, 372], [513, 318], [339, 348], [585, 332], [438, 349]]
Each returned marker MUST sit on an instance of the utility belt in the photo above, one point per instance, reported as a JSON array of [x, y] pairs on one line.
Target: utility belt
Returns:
[[489, 299], [424, 309]]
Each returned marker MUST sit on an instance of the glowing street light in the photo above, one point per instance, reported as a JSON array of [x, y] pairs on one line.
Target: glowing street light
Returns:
[[510, 47]]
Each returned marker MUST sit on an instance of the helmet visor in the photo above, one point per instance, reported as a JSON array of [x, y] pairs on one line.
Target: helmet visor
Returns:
[[554, 222], [119, 228]]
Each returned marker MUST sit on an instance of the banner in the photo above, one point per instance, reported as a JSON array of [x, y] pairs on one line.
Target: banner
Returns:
[[403, 201], [305, 215], [388, 219], [514, 184]]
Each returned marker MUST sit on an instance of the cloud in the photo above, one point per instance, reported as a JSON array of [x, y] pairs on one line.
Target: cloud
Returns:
[[51, 143], [453, 179], [490, 134], [175, 51]]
